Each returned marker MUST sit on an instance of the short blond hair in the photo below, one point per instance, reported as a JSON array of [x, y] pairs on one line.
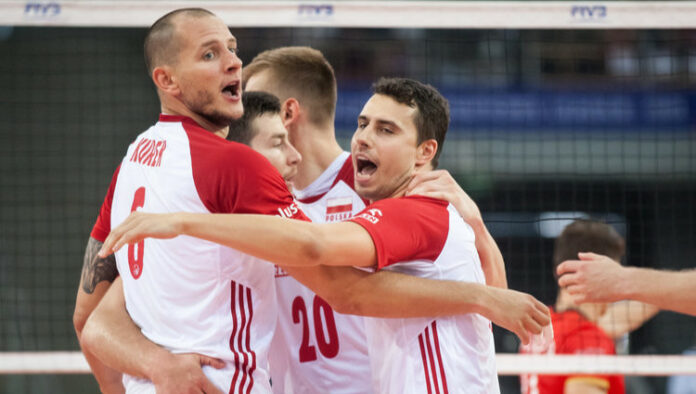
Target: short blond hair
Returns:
[[302, 73]]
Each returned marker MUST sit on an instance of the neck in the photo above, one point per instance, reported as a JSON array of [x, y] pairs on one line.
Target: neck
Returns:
[[178, 109], [401, 190], [564, 302], [318, 148]]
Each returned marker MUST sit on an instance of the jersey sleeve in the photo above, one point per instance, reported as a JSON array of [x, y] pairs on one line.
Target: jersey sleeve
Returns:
[[405, 229], [102, 227], [233, 178]]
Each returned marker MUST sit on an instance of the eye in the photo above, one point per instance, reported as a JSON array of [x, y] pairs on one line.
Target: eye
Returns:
[[362, 125], [234, 50], [210, 55], [386, 130]]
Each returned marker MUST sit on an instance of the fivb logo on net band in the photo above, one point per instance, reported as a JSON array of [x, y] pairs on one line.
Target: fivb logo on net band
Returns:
[[315, 11], [588, 13], [39, 10]]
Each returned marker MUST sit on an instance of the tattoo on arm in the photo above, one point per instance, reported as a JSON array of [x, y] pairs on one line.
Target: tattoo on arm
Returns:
[[96, 269]]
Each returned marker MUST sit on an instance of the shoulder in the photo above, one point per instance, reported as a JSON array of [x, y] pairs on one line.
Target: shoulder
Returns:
[[577, 335], [409, 208]]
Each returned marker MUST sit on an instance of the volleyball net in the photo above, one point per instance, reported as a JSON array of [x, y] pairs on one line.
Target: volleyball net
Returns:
[[559, 110]]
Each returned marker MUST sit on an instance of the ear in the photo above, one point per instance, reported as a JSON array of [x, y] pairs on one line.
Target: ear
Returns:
[[425, 152], [290, 112], [165, 80]]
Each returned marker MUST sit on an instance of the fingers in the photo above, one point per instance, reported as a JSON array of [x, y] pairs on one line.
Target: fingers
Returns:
[[567, 267], [522, 333], [427, 181], [585, 256], [116, 238], [541, 314], [210, 361], [568, 279]]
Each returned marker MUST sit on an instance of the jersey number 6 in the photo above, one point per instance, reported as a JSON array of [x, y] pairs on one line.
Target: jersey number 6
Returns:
[[136, 251], [327, 346]]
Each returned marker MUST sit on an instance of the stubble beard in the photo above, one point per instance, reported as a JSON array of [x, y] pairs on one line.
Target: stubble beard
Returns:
[[203, 106]]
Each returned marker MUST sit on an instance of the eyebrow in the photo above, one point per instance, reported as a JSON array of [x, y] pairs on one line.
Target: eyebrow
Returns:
[[381, 121], [214, 41]]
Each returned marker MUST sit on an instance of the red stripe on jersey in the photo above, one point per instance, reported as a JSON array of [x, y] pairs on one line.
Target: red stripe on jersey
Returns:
[[243, 331], [425, 363], [433, 369], [233, 311], [248, 343], [240, 340], [439, 357]]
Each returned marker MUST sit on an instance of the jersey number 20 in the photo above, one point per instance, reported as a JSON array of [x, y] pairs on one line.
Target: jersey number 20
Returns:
[[327, 346]]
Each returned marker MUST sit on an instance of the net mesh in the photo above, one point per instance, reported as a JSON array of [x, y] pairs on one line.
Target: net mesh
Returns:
[[547, 125]]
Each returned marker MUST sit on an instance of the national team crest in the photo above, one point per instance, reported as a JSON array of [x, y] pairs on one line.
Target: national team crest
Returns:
[[339, 209]]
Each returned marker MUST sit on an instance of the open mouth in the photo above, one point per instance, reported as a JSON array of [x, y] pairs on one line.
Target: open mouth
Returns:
[[231, 90], [365, 167]]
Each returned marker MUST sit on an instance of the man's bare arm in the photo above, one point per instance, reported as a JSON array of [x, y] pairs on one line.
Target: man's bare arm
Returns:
[[440, 184], [625, 316], [596, 278], [390, 294], [296, 244], [281, 241], [111, 335], [97, 275]]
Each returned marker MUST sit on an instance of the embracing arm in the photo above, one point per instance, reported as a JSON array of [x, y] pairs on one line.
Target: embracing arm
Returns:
[[111, 335], [440, 184], [390, 294], [295, 244], [283, 241], [97, 275]]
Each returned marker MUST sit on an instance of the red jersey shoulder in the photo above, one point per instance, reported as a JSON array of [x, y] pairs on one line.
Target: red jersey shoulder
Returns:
[[406, 228], [231, 177], [102, 226]]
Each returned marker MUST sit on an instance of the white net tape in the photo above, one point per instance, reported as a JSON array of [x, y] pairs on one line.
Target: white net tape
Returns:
[[368, 14], [508, 364]]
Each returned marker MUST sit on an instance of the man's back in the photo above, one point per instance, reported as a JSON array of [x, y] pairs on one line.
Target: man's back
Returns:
[[186, 294]]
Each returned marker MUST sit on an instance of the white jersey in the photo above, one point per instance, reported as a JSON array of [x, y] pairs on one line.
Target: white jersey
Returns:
[[190, 295], [317, 350], [424, 237]]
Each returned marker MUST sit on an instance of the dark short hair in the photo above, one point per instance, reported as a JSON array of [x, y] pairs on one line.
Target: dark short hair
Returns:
[[255, 104], [161, 44], [585, 235], [432, 115], [302, 73]]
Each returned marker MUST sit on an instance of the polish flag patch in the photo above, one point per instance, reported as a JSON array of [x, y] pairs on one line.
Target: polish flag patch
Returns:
[[339, 209]]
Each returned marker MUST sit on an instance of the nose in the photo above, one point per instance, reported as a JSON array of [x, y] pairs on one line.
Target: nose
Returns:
[[361, 137], [294, 157], [232, 61]]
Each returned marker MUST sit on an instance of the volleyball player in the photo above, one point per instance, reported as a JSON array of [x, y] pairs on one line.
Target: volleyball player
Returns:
[[400, 132], [181, 164], [576, 327], [305, 82], [261, 128]]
